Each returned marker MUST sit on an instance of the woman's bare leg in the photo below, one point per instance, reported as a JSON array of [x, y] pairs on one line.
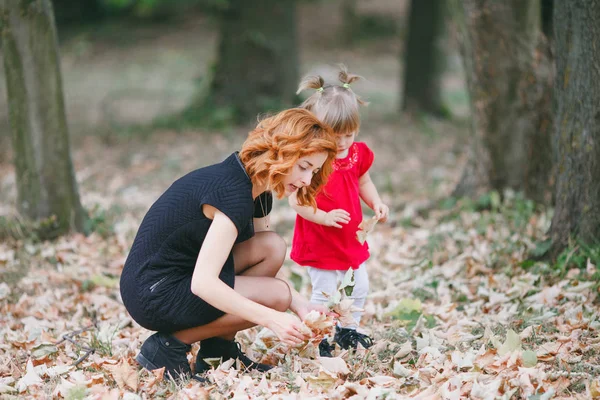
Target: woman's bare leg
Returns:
[[262, 255], [257, 261]]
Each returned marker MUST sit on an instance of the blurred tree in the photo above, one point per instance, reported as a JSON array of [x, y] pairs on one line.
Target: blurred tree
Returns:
[[509, 79], [46, 184], [77, 11], [424, 59], [547, 12], [577, 138], [257, 60]]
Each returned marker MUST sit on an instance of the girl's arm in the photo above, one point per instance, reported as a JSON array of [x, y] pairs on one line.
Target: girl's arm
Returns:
[[207, 285], [332, 218], [368, 193]]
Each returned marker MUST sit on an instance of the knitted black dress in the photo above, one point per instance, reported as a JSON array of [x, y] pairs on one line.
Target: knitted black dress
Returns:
[[156, 279]]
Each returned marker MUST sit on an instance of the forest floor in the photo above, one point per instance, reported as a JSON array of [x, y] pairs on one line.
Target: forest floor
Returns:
[[457, 309]]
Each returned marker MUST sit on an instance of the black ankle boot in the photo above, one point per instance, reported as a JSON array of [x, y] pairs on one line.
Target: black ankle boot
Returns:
[[225, 350], [350, 338], [162, 350], [325, 348]]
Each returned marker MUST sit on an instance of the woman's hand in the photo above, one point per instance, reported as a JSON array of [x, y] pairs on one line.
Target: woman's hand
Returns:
[[288, 328], [336, 217]]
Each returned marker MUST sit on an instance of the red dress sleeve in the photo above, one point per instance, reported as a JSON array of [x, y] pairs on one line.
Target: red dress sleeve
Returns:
[[365, 158]]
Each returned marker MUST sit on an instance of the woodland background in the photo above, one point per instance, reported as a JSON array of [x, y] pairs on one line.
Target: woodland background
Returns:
[[484, 117]]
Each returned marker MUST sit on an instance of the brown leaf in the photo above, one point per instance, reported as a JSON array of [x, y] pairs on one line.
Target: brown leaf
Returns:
[[124, 374]]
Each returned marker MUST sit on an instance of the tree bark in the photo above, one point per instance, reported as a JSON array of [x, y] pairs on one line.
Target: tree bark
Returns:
[[257, 62], [46, 184], [577, 137], [424, 59], [509, 79]]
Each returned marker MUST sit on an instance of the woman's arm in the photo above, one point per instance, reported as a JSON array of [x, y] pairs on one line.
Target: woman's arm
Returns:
[[368, 193], [207, 285], [332, 218], [262, 224]]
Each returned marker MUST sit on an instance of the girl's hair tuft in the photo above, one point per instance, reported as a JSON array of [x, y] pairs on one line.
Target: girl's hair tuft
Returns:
[[336, 105], [310, 82]]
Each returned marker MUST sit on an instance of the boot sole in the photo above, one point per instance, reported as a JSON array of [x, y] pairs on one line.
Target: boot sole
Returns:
[[144, 362]]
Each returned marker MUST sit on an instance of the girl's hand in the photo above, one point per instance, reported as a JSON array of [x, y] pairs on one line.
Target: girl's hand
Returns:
[[381, 211], [336, 217], [288, 328], [308, 307]]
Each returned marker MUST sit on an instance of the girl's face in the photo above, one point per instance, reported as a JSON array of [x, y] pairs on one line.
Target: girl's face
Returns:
[[302, 172], [343, 143]]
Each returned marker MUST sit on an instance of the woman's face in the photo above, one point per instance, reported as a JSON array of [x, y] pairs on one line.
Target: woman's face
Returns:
[[303, 171]]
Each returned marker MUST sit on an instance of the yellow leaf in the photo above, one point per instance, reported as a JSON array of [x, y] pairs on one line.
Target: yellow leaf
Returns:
[[529, 358], [512, 343], [325, 379]]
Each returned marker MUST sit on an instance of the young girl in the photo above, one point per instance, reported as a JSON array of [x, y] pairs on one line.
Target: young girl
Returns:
[[200, 269], [325, 239]]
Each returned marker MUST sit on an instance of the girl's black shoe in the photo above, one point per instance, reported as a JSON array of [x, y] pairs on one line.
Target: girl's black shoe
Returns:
[[225, 350], [350, 338], [161, 350], [325, 348]]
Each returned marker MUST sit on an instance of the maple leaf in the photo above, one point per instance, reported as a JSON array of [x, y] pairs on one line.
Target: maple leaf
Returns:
[[364, 228], [30, 378], [344, 309], [325, 379], [124, 374]]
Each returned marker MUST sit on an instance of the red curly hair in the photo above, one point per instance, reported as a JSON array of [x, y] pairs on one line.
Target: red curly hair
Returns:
[[278, 142]]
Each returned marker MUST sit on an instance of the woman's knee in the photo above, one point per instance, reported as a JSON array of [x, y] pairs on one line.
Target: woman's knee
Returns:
[[275, 247], [282, 295]]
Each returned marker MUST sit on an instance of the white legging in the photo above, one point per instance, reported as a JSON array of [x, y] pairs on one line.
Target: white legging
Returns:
[[327, 281]]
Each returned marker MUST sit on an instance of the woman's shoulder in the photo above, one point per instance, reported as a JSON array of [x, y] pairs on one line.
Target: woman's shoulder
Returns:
[[226, 174]]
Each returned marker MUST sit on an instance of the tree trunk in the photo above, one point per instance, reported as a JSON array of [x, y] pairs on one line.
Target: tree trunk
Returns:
[[509, 79], [257, 64], [76, 11], [577, 138], [424, 59], [547, 13], [46, 185]]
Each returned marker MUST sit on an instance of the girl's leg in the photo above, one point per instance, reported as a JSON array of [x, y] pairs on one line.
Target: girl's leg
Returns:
[[323, 282], [359, 293]]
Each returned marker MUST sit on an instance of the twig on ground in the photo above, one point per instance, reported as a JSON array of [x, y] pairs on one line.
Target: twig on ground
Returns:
[[69, 338]]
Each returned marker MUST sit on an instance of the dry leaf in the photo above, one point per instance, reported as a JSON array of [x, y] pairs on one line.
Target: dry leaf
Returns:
[[364, 228], [335, 365], [124, 374]]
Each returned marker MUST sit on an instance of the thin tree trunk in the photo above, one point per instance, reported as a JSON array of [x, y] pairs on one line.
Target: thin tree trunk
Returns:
[[509, 79], [424, 59], [547, 16], [46, 183], [577, 136], [257, 62]]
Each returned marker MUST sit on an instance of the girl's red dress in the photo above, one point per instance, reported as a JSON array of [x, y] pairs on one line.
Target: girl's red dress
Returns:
[[332, 248]]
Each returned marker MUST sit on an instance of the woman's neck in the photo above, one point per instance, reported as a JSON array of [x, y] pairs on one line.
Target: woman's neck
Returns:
[[257, 189]]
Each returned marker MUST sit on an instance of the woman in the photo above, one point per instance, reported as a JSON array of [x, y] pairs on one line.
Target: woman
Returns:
[[198, 269]]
